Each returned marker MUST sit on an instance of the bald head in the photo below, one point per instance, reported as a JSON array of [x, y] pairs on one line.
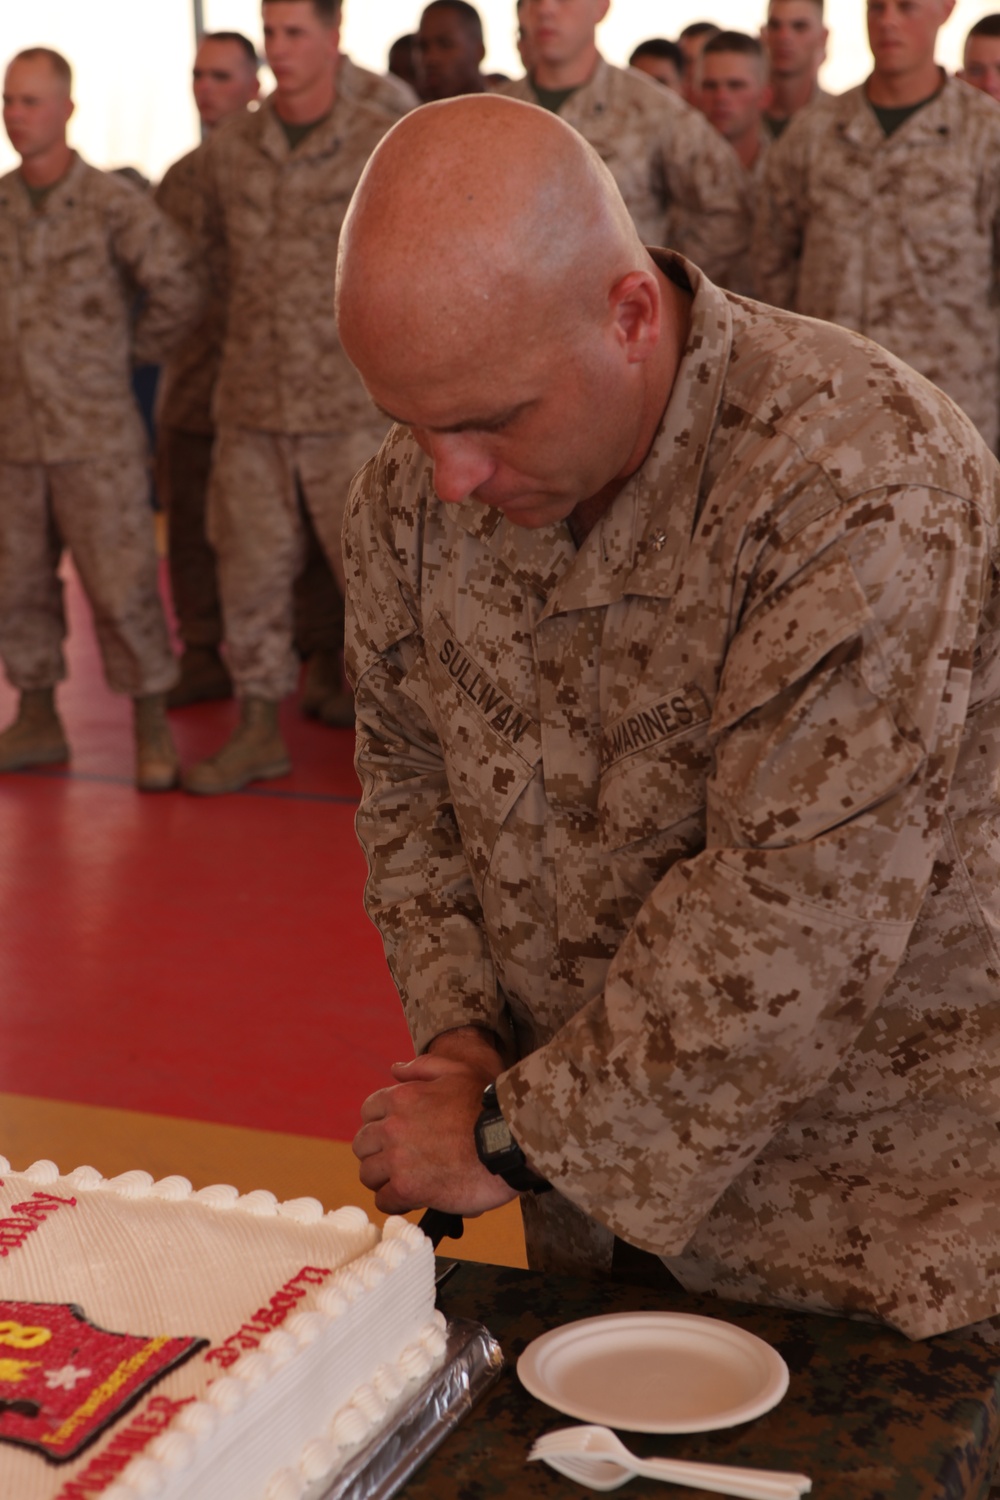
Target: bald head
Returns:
[[487, 265], [477, 207]]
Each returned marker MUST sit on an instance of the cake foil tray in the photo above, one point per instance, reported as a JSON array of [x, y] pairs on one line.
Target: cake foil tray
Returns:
[[472, 1364]]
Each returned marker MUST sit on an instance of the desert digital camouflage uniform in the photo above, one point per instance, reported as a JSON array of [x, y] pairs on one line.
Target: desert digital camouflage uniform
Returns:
[[382, 89], [681, 182], [701, 820], [189, 376], [741, 278], [897, 237], [756, 172], [185, 429], [291, 413], [776, 128], [73, 451]]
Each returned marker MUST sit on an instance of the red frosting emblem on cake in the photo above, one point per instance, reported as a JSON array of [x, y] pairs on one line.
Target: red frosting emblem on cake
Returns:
[[63, 1380]]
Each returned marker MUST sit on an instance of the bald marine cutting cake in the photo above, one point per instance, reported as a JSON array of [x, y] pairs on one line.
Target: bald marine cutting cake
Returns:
[[157, 1341]]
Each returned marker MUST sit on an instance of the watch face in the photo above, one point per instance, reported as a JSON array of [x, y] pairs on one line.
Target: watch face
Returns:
[[495, 1136]]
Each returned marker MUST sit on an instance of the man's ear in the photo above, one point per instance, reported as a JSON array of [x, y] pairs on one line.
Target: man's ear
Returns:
[[635, 305]]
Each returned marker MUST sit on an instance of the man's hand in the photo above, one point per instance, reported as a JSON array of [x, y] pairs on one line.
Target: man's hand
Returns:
[[416, 1146]]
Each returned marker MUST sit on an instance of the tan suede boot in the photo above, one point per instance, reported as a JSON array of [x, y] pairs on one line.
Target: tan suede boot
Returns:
[[204, 678], [325, 694], [255, 752], [36, 737], [157, 768]]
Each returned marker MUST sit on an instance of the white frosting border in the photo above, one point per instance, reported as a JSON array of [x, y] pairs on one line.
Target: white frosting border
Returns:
[[220, 1195]]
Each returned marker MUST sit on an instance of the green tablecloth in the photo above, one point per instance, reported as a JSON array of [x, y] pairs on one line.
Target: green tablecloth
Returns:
[[868, 1415]]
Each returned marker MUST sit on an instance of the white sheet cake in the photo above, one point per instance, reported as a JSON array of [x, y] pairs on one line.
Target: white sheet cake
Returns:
[[160, 1342]]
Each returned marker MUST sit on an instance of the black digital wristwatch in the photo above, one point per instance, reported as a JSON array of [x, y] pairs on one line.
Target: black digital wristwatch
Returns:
[[499, 1152]]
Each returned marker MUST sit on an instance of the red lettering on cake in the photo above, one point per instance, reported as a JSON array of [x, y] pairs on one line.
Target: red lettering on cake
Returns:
[[123, 1447], [26, 1217], [285, 1300]]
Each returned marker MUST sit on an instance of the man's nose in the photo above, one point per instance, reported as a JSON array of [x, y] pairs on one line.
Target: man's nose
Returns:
[[460, 466]]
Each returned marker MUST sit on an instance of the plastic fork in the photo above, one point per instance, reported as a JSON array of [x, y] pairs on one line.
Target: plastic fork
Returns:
[[596, 1457]]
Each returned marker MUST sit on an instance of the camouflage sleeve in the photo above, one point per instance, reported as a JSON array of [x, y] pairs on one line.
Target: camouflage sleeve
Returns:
[[710, 211], [183, 195], [752, 968], [173, 196], [995, 196], [779, 221], [419, 893], [164, 265], [208, 225]]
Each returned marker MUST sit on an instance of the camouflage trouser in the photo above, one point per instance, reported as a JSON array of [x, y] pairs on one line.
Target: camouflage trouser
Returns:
[[99, 509], [183, 469], [260, 482], [183, 465], [318, 601]]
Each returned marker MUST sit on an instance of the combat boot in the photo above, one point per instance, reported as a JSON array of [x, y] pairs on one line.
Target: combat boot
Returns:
[[204, 678], [36, 737], [157, 768], [325, 695], [256, 752]]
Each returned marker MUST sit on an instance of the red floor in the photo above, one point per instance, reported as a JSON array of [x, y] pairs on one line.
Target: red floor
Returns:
[[201, 958]]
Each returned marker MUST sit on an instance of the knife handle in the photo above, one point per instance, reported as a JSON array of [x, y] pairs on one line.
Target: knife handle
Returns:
[[440, 1226]]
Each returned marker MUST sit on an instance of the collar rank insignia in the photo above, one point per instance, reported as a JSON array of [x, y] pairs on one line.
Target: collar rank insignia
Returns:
[[63, 1380]]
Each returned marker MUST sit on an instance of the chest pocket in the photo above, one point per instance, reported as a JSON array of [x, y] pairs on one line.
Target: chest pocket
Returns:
[[942, 230], [656, 762], [491, 741]]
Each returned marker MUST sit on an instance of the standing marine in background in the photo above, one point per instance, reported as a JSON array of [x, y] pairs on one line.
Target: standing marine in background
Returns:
[[75, 245], [880, 211], [681, 183], [449, 50], [293, 422], [795, 41], [660, 59], [692, 42], [981, 57], [225, 83], [733, 91]]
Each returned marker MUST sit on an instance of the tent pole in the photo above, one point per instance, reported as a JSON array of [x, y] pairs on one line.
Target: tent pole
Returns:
[[199, 32]]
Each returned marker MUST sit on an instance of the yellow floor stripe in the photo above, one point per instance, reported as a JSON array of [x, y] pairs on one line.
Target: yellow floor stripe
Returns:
[[292, 1166]]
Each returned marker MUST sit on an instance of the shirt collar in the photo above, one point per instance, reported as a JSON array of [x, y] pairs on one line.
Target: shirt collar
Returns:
[[61, 194], [323, 140], [933, 123], [638, 547]]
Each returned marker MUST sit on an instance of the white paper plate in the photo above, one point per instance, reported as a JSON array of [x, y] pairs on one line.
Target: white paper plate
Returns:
[[654, 1372]]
